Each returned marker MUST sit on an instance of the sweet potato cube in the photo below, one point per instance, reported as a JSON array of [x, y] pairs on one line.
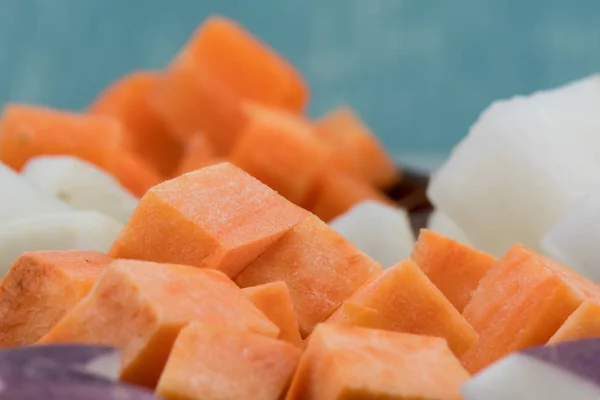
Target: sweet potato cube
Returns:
[[407, 301], [521, 302], [140, 307], [217, 217], [274, 300], [320, 267], [348, 363], [453, 267], [40, 288], [210, 362], [127, 100]]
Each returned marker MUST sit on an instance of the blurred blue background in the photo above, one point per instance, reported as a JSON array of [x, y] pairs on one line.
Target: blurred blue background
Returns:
[[418, 71]]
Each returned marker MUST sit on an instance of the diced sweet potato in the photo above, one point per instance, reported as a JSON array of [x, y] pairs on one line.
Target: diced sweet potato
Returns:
[[40, 288], [221, 66], [140, 307], [356, 149], [274, 300], [521, 302], [210, 362], [281, 150], [198, 153], [217, 217], [584, 323], [30, 131], [454, 268], [336, 192], [350, 363], [407, 301], [320, 267], [127, 100], [134, 173]]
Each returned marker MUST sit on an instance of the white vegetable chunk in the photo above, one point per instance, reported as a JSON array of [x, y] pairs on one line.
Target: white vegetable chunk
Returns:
[[72, 230], [575, 238], [81, 185], [381, 231], [19, 199], [524, 162], [568, 370], [440, 223]]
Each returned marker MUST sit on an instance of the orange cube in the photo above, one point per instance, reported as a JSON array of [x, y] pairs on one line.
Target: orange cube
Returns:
[[584, 323]]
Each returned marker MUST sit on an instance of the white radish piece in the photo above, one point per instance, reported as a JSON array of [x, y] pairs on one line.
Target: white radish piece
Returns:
[[524, 162], [81, 185], [19, 199], [72, 230], [382, 232], [568, 370], [440, 223], [574, 240]]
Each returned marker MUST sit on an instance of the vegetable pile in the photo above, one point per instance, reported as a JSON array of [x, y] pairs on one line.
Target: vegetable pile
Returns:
[[222, 245]]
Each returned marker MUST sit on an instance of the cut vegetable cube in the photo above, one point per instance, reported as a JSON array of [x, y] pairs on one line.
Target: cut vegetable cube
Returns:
[[407, 301], [140, 307], [72, 230], [513, 176], [521, 302], [40, 288], [221, 66], [127, 100], [380, 230], [275, 301], [281, 150], [31, 131], [343, 363], [215, 363], [584, 323], [320, 267], [357, 150], [454, 268], [217, 217], [80, 184]]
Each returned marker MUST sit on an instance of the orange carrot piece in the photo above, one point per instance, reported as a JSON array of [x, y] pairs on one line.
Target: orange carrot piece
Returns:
[[140, 307], [320, 267], [217, 217], [221, 66], [584, 323], [40, 288], [453, 267], [275, 301], [348, 363], [30, 131], [134, 174], [127, 100], [357, 150], [281, 150], [337, 192], [210, 362], [521, 302], [407, 301], [199, 153]]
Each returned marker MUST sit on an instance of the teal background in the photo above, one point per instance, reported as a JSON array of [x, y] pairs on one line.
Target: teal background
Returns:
[[419, 71]]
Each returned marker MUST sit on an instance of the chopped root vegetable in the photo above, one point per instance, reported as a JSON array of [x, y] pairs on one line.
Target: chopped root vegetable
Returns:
[[71, 230], [217, 217], [134, 173], [454, 268], [356, 149], [127, 100], [221, 66], [521, 302], [402, 296], [140, 307], [281, 150], [320, 267], [80, 184], [584, 323], [346, 363], [30, 131], [40, 288], [210, 362]]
